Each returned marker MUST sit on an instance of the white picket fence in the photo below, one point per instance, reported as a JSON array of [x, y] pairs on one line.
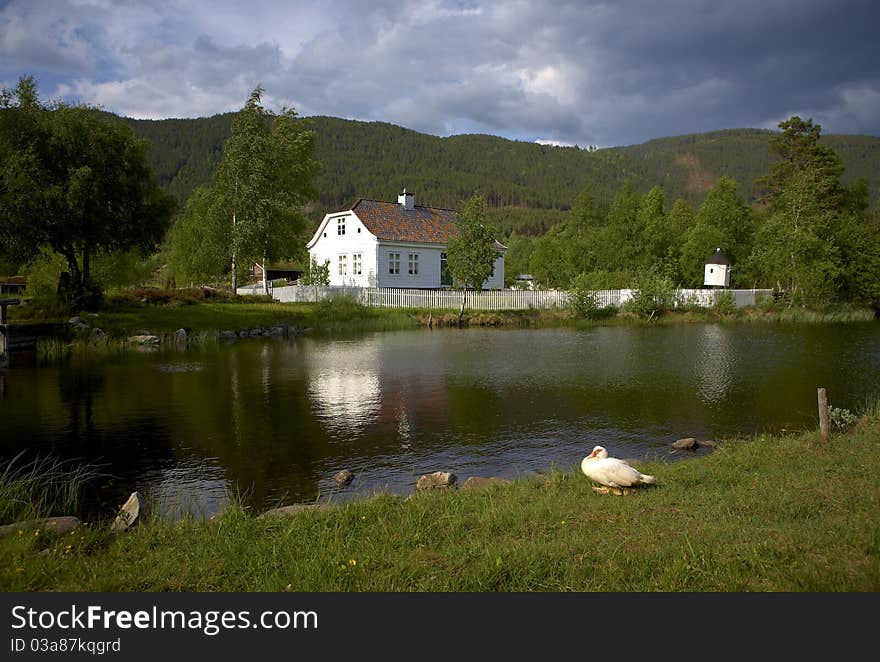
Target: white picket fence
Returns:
[[486, 300]]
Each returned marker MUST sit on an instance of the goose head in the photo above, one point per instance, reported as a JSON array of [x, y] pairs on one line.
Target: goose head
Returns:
[[599, 453]]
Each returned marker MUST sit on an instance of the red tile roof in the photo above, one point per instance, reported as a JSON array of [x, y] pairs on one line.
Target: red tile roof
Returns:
[[390, 221]]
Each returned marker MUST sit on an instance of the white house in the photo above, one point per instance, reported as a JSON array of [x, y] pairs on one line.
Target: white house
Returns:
[[717, 270], [388, 244]]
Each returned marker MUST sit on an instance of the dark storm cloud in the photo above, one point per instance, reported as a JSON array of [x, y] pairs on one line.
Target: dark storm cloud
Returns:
[[576, 72]]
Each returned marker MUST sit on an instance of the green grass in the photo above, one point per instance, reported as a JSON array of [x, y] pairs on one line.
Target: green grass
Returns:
[[322, 317], [763, 514]]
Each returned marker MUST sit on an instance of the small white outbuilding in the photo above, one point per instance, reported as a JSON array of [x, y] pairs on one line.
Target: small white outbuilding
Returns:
[[717, 273]]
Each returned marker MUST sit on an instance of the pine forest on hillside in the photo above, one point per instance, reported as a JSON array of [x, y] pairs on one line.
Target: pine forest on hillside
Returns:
[[376, 160], [793, 209]]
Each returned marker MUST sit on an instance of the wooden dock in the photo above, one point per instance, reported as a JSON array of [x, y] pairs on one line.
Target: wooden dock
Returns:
[[18, 342]]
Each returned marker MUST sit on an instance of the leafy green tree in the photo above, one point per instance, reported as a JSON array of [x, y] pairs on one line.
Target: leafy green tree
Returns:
[[795, 247], [198, 246], [471, 254], [657, 237], [679, 221], [254, 207], [857, 236], [620, 247], [75, 180], [722, 221], [585, 216], [516, 259], [551, 260]]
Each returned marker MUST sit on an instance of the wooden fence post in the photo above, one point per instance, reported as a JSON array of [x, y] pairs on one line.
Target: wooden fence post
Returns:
[[823, 414]]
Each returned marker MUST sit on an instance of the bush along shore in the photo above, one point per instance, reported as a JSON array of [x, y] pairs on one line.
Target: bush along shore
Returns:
[[769, 513]]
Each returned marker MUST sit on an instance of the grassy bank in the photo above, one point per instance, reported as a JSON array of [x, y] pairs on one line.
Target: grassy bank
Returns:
[[764, 514]]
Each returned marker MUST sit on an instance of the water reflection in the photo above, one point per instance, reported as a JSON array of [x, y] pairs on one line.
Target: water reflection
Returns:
[[276, 419], [344, 384], [715, 363]]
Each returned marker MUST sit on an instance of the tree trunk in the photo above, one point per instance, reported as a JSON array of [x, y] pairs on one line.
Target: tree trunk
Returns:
[[265, 282], [234, 268], [70, 282], [461, 309], [86, 267]]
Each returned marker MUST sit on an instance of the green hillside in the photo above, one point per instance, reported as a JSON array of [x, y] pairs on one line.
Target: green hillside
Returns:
[[535, 182]]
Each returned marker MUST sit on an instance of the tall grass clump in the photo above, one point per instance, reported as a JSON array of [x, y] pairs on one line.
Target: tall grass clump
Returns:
[[345, 314], [42, 487], [870, 409], [58, 350]]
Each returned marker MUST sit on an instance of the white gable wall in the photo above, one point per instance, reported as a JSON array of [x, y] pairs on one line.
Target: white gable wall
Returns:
[[717, 275], [328, 244]]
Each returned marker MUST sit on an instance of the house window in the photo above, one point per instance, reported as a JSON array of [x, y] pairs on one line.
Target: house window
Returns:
[[413, 264], [394, 263], [343, 265], [357, 264], [340, 226]]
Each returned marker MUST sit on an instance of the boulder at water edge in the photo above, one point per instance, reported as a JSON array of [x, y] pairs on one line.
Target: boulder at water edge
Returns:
[[436, 480], [343, 478], [57, 525], [129, 513]]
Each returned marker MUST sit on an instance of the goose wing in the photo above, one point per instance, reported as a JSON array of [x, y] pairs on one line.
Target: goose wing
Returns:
[[617, 473]]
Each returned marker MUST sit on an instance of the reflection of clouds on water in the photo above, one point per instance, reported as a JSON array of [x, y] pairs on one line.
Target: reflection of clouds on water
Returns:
[[198, 488], [714, 363], [344, 384]]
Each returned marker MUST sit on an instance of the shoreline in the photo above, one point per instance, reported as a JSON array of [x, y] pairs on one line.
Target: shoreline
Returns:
[[207, 324], [767, 513]]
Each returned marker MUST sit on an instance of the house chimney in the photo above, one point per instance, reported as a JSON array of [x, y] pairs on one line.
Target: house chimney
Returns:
[[406, 199]]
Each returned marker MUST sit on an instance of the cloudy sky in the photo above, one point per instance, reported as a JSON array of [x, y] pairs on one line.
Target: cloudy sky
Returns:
[[587, 73]]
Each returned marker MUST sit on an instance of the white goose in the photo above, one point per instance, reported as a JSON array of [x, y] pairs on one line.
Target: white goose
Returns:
[[610, 471]]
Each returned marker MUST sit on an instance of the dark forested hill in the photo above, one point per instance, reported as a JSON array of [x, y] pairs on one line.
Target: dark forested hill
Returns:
[[377, 160]]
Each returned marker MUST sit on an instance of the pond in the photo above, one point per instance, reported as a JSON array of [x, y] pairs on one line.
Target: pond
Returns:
[[273, 420]]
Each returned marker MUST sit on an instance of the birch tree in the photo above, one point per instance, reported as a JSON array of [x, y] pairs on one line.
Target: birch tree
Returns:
[[471, 255], [260, 187]]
